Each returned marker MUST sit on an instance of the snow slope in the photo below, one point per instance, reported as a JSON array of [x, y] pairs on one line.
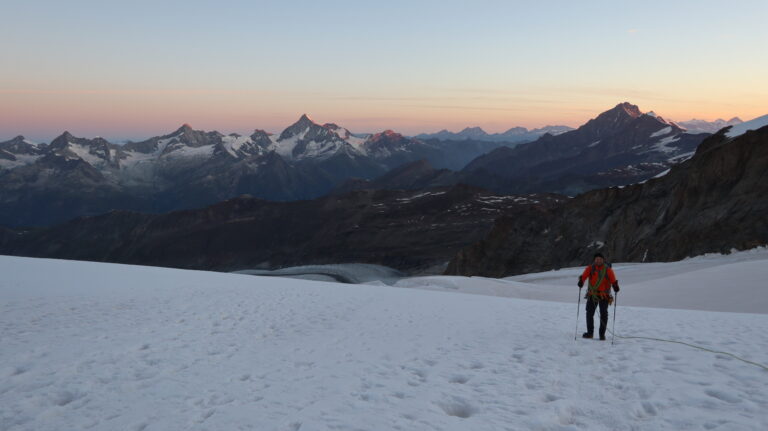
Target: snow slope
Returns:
[[712, 282], [116, 347], [742, 128]]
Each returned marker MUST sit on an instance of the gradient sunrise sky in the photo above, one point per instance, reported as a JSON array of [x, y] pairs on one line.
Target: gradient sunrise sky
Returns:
[[134, 69]]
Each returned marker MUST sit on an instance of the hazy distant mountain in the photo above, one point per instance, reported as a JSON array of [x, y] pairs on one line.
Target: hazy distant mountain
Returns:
[[47, 183], [702, 126], [513, 135]]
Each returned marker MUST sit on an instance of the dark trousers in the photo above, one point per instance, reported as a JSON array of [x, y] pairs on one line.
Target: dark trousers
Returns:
[[592, 305]]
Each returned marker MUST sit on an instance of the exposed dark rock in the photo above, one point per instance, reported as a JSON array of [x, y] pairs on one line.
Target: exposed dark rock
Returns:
[[412, 176], [406, 230]]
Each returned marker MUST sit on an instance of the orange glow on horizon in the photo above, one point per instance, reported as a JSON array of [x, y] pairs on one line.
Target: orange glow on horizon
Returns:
[[138, 114]]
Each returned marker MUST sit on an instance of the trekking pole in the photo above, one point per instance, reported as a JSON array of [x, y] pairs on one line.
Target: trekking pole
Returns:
[[613, 331], [578, 307]]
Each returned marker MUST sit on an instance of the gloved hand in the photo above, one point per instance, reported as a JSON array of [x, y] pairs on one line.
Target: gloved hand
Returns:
[[616, 287], [580, 283]]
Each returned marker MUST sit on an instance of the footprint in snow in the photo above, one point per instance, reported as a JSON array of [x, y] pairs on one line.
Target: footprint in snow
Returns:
[[476, 365], [460, 379], [723, 396], [457, 407], [205, 415], [548, 398], [644, 410]]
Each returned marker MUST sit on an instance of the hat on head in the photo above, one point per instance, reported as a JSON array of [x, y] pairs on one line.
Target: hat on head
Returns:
[[598, 255]]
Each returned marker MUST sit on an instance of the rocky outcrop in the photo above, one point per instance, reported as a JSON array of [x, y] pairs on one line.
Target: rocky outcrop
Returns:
[[714, 202]]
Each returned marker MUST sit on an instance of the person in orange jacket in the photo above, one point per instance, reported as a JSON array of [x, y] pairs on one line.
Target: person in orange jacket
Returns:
[[601, 278]]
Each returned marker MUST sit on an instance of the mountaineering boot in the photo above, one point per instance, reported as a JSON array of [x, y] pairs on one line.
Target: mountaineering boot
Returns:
[[602, 337], [586, 335]]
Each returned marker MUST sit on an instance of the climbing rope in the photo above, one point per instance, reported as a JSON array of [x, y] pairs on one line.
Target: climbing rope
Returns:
[[694, 346]]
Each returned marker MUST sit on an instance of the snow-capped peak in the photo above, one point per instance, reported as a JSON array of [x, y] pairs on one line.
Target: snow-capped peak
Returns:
[[300, 127]]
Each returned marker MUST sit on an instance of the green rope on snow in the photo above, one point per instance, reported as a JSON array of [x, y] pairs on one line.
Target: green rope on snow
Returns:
[[694, 346]]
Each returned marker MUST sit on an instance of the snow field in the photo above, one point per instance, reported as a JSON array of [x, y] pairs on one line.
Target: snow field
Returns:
[[100, 346]]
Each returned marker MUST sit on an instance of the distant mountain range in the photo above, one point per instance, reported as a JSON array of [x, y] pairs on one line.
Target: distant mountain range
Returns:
[[385, 203], [618, 147], [517, 135], [513, 135], [44, 184], [714, 201]]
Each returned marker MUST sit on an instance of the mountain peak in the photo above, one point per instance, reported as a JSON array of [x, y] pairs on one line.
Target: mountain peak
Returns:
[[62, 140], [630, 109], [65, 137], [622, 112], [389, 133], [304, 120], [186, 127], [611, 121], [473, 132], [517, 130], [304, 126]]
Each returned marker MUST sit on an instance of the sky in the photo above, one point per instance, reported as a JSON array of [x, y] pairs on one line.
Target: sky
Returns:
[[134, 69]]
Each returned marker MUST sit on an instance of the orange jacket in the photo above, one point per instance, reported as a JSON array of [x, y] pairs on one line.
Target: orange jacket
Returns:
[[604, 289]]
